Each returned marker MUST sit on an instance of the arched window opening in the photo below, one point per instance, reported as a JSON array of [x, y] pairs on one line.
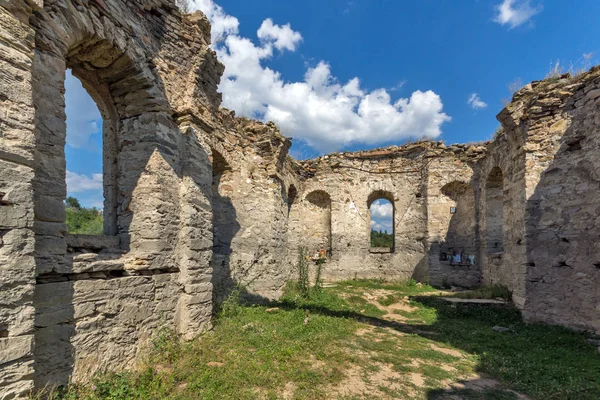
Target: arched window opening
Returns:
[[223, 211], [494, 211], [317, 223], [381, 222], [90, 197]]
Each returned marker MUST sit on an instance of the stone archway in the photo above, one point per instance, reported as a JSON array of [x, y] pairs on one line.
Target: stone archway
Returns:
[[153, 269]]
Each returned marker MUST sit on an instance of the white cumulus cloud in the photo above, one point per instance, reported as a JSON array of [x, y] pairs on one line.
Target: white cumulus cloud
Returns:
[[382, 216], [77, 183], [282, 37], [322, 111], [475, 102], [380, 210], [516, 12]]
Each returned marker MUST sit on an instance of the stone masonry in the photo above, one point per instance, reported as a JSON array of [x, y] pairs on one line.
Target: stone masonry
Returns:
[[198, 200]]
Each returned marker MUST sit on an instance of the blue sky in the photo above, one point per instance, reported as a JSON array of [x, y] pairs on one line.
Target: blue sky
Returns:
[[358, 74]]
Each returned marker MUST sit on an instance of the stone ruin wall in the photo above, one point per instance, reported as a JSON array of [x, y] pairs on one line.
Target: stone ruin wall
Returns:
[[562, 212], [422, 181], [75, 305], [179, 169], [250, 212]]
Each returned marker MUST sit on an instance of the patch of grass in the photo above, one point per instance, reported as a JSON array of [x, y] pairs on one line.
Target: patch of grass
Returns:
[[522, 359], [490, 394], [249, 353], [387, 300], [422, 315], [253, 354], [408, 288], [486, 292]]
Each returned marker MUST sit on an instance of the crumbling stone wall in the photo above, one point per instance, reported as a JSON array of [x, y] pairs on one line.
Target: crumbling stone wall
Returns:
[[413, 178], [250, 185], [198, 201], [561, 215], [17, 238], [77, 305], [452, 218], [349, 180]]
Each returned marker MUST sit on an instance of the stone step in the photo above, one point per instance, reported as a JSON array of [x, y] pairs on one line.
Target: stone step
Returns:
[[456, 300]]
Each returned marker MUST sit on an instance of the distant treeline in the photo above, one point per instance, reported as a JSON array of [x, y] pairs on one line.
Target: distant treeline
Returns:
[[381, 239], [82, 220]]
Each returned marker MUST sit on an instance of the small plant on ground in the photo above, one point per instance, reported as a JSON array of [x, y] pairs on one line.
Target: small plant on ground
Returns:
[[167, 343], [387, 300], [303, 283], [486, 292], [231, 306], [318, 279]]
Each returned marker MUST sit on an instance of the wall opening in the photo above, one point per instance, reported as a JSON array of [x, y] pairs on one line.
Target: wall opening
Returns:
[[494, 211], [458, 209], [85, 201], [381, 222], [222, 185], [225, 226], [291, 197], [317, 223]]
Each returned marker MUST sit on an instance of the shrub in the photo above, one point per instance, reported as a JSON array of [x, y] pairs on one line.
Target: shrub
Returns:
[[231, 306], [318, 280], [82, 220]]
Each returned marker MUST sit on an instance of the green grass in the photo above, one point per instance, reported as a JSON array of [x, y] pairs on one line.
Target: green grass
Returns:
[[408, 288], [486, 292], [253, 354], [526, 359]]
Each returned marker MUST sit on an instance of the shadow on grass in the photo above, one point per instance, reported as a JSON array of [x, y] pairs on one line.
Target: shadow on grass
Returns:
[[541, 361]]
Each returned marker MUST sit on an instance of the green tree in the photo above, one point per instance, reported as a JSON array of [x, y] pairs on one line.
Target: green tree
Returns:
[[72, 202], [381, 239], [83, 220]]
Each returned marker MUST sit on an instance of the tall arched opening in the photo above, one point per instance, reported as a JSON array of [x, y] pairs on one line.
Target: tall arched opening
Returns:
[[381, 221]]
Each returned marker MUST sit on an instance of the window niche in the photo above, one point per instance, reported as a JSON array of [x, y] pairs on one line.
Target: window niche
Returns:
[[459, 244], [382, 229], [90, 155], [292, 193], [317, 225], [224, 214], [494, 212]]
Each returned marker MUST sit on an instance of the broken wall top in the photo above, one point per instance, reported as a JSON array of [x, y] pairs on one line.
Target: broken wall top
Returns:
[[405, 158]]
